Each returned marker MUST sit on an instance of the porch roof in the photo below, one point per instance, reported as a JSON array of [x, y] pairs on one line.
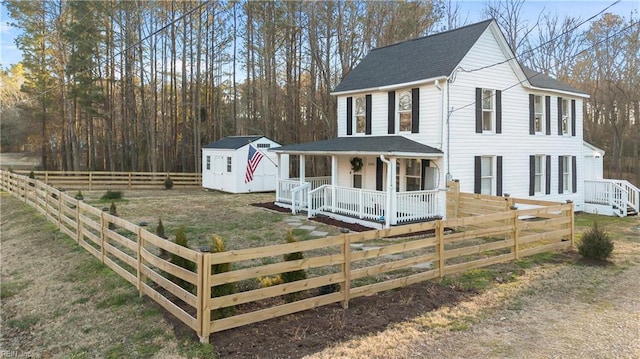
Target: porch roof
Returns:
[[363, 145]]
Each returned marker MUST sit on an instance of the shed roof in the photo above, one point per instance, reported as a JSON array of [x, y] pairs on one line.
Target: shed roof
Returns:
[[232, 142], [541, 80], [413, 60], [362, 144]]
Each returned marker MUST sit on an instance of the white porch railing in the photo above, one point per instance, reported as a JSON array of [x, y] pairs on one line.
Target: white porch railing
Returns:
[[354, 202], [416, 205], [299, 195], [286, 185], [617, 194]]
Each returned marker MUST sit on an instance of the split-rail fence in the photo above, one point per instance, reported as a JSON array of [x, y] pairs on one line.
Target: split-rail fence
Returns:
[[479, 231]]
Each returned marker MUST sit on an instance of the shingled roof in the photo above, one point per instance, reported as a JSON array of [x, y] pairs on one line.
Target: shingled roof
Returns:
[[413, 60], [232, 142], [541, 80], [361, 144]]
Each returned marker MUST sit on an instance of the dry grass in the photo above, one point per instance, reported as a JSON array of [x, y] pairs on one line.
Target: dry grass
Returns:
[[568, 309]]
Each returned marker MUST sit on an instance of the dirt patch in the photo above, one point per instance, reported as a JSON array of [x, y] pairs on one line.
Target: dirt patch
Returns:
[[308, 332]]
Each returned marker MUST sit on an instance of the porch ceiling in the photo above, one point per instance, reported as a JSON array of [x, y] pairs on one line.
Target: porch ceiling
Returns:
[[363, 145]]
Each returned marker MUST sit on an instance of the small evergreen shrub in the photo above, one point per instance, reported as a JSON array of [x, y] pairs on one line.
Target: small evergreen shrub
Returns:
[[269, 281], [112, 195], [295, 275], [182, 240], [32, 175], [168, 183], [79, 196], [217, 246], [160, 233], [114, 212], [596, 243]]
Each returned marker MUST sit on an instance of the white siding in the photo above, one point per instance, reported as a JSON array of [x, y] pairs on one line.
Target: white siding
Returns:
[[515, 143]]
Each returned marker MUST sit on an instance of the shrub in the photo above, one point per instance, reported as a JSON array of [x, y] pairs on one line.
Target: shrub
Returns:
[[160, 233], [32, 175], [269, 281], [295, 275], [217, 246], [79, 196], [182, 240], [168, 183], [114, 212], [596, 243], [112, 195]]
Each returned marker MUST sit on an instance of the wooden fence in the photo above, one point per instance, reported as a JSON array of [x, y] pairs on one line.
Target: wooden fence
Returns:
[[338, 268], [110, 180]]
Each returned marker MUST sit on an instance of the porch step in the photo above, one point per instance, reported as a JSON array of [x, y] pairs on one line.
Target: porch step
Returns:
[[631, 212]]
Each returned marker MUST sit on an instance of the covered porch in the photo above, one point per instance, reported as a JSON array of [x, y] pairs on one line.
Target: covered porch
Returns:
[[377, 181]]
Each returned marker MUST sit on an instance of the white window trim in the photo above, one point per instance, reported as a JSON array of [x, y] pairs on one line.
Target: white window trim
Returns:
[[566, 130], [401, 174], [490, 177], [354, 122], [539, 174], [566, 174], [492, 110], [398, 112], [541, 113]]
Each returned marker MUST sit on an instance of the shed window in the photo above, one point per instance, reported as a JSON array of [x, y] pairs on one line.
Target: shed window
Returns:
[[264, 145], [208, 163], [229, 164]]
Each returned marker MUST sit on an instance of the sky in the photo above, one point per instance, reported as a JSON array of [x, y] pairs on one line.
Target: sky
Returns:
[[470, 9]]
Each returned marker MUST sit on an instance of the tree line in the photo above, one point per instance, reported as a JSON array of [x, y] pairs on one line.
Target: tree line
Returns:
[[143, 85]]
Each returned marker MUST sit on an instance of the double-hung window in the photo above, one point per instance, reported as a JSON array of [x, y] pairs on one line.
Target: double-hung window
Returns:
[[565, 116], [566, 173], [360, 114], [404, 110], [487, 175], [539, 114], [488, 110], [538, 173], [412, 175]]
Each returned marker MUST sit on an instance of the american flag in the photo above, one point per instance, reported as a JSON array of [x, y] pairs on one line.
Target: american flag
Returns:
[[253, 160]]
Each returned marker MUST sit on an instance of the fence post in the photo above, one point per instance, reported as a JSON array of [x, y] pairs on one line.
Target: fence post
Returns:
[[46, 202], [139, 261], [90, 180], [515, 235], [440, 235], [203, 293], [104, 225], [346, 269], [572, 224], [78, 222], [129, 184]]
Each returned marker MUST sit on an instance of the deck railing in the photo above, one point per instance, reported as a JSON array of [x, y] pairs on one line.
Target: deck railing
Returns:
[[611, 193], [417, 205]]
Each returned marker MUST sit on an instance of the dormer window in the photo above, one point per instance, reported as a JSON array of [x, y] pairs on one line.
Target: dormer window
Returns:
[[404, 110], [360, 115]]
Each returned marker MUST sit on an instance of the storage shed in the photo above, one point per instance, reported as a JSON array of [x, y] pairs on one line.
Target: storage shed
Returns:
[[240, 164]]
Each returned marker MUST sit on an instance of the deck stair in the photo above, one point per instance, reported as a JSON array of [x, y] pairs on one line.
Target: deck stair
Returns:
[[612, 197]]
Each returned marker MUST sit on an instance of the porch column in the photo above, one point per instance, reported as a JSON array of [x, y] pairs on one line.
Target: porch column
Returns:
[[302, 167], [334, 181], [392, 195]]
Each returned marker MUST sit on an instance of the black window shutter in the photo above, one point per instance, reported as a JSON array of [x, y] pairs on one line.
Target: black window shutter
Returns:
[[477, 182], [415, 110], [424, 165], [560, 116], [498, 111], [532, 175], [499, 176], [349, 115], [478, 110], [547, 114], [379, 168], [560, 175], [367, 130], [573, 118], [391, 119], [574, 174], [547, 174], [532, 114]]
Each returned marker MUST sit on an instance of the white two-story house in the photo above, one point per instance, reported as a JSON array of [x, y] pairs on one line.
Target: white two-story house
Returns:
[[451, 106]]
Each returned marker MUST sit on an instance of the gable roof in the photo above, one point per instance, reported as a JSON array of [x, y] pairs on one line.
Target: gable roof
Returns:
[[413, 60], [232, 142], [361, 144]]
